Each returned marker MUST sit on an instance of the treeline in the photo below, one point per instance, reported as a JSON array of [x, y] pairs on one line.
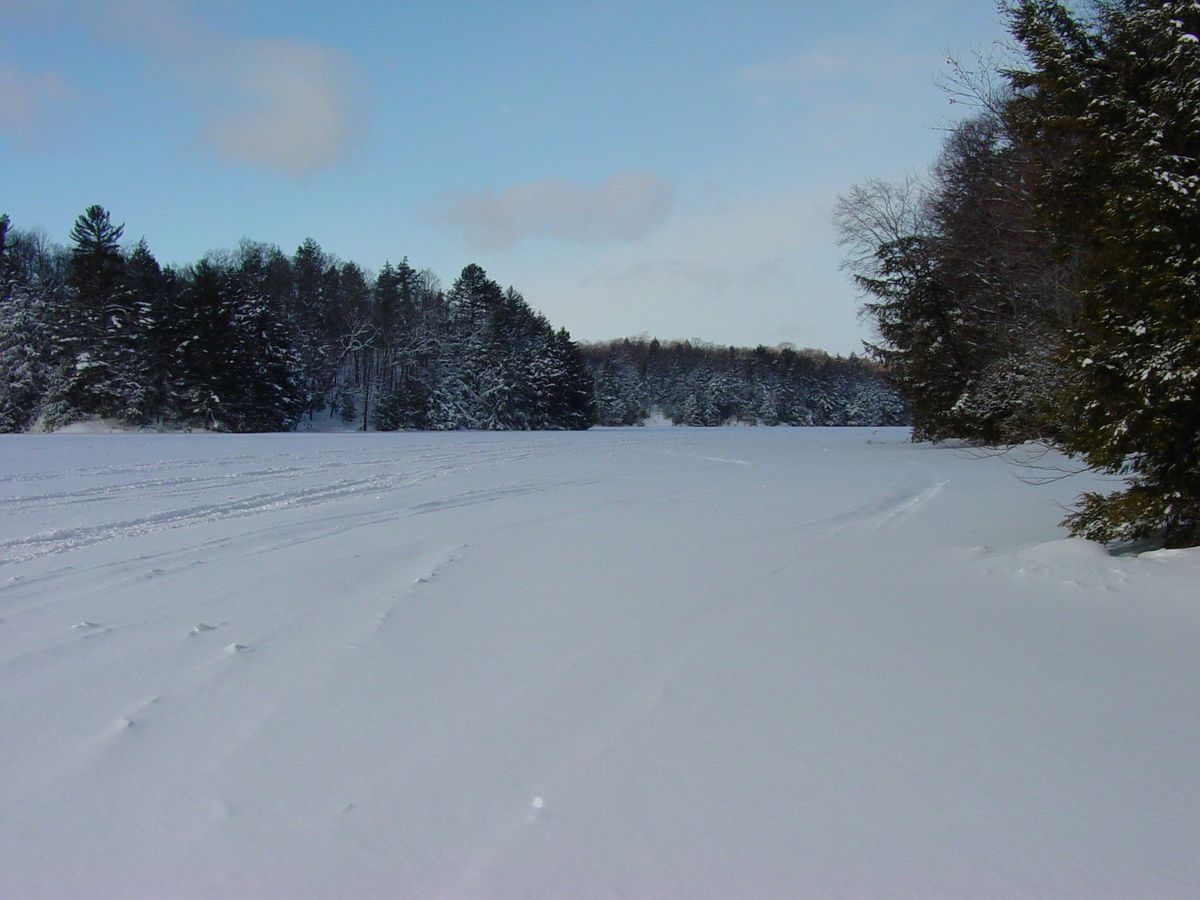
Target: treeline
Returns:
[[699, 384], [1043, 282], [254, 340]]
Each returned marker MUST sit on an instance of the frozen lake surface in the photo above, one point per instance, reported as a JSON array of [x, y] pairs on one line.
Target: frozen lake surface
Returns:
[[644, 662]]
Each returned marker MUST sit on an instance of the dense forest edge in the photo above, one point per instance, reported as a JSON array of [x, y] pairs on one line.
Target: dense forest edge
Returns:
[[256, 340], [692, 383], [1042, 281]]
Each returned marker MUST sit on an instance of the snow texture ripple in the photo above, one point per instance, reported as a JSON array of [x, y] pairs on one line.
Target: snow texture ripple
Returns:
[[644, 662]]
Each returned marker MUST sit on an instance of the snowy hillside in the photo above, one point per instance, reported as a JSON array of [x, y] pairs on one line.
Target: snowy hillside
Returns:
[[644, 662]]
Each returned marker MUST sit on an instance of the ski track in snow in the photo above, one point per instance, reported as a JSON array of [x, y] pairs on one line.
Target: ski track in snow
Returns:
[[300, 493], [642, 662]]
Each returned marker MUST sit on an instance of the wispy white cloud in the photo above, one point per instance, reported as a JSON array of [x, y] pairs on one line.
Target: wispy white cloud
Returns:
[[26, 99], [740, 269], [277, 103], [724, 255], [685, 287], [626, 207], [291, 108]]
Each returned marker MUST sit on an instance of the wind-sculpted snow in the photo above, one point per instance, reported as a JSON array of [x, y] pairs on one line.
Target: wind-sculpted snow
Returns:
[[644, 662]]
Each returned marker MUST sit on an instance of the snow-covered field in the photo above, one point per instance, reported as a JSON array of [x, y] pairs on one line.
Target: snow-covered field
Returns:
[[648, 662]]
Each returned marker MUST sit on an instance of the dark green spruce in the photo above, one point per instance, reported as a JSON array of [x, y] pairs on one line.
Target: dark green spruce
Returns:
[[1043, 282]]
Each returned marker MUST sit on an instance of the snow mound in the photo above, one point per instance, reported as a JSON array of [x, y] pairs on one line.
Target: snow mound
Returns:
[[1065, 553], [1073, 563], [1185, 557], [96, 425]]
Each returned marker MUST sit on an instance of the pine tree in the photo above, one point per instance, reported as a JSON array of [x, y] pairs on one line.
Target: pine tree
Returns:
[[102, 331], [474, 296], [149, 288], [262, 364], [571, 399], [915, 315], [309, 314], [618, 393], [768, 407], [207, 343], [25, 345], [1120, 97], [395, 376]]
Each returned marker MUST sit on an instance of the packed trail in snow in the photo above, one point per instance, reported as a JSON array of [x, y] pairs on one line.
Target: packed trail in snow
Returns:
[[642, 662]]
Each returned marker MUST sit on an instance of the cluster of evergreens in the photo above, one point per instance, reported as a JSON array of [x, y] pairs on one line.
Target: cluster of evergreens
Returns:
[[255, 340], [1044, 281], [699, 384]]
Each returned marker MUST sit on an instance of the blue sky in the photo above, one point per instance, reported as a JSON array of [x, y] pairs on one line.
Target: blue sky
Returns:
[[660, 168]]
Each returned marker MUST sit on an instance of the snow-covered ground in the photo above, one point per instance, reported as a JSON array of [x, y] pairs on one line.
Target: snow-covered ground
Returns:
[[646, 662]]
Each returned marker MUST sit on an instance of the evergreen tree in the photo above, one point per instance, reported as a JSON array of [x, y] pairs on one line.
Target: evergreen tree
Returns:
[[474, 296], [618, 393], [262, 363], [25, 344], [571, 403], [768, 407], [102, 332], [690, 413], [251, 340], [917, 321], [962, 287], [700, 385], [1010, 296], [1118, 97], [385, 300], [397, 373], [309, 315]]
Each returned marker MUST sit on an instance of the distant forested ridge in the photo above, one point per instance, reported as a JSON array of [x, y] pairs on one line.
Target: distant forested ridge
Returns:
[[700, 384], [256, 340]]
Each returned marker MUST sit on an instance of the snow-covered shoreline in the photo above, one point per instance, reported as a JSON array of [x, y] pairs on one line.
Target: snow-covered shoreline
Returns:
[[648, 662]]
